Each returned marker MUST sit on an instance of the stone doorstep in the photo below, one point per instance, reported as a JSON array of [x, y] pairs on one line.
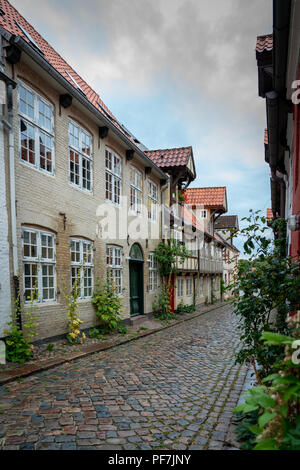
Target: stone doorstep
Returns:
[[137, 320], [25, 371]]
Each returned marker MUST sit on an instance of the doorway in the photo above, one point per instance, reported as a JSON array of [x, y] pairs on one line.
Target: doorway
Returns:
[[136, 278]]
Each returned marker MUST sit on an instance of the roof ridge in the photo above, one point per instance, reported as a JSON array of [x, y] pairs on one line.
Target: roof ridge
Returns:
[[173, 148], [206, 187]]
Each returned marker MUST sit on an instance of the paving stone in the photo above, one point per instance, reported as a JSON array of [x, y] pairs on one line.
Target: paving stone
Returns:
[[173, 389]]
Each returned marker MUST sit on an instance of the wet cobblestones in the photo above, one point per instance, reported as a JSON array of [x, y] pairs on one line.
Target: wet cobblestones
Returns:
[[174, 389]]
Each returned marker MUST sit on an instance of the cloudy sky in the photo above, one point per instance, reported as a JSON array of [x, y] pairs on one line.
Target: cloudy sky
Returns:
[[176, 73]]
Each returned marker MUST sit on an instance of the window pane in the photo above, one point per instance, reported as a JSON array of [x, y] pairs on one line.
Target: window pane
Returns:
[[27, 142]]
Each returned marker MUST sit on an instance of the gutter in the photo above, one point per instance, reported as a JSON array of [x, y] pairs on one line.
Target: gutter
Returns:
[[79, 96], [272, 105], [281, 29], [276, 104]]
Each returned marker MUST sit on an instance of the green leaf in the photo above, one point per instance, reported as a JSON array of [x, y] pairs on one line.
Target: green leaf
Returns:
[[266, 444], [276, 339], [284, 410], [290, 391], [245, 408], [255, 429], [265, 418]]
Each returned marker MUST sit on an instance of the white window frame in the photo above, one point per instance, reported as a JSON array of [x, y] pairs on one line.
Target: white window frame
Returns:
[[82, 156], [189, 287], [116, 177], [152, 201], [38, 129], [180, 287], [203, 214], [153, 273], [39, 261], [113, 268], [83, 264], [201, 287], [135, 189]]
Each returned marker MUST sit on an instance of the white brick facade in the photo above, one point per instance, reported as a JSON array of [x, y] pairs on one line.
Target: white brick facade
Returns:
[[5, 295]]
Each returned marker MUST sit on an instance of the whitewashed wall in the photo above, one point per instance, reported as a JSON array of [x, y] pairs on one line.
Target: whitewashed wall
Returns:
[[5, 299]]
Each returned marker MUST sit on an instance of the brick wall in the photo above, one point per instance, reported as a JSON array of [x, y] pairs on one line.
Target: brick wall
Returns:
[[51, 203]]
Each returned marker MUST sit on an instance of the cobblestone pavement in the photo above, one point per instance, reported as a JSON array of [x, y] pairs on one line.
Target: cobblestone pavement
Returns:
[[174, 389]]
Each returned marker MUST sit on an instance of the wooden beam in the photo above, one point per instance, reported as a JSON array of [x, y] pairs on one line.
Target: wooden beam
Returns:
[[103, 132]]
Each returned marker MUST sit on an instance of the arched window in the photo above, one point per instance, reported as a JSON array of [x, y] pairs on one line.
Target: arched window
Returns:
[[136, 253]]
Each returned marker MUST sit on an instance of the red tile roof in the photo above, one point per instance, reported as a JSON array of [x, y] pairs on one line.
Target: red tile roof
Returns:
[[227, 221], [269, 214], [208, 197], [266, 138], [264, 43], [170, 157], [8, 22]]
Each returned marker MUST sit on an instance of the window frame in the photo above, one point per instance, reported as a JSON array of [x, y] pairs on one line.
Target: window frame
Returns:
[[38, 128], [81, 156], [180, 287], [113, 268], [153, 272], [189, 287], [39, 261], [152, 201], [82, 266], [136, 190], [114, 177]]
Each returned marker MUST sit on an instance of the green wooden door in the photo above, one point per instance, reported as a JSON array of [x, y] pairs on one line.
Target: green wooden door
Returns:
[[136, 288]]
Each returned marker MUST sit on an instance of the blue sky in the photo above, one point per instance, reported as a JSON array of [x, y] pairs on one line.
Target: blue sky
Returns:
[[176, 73]]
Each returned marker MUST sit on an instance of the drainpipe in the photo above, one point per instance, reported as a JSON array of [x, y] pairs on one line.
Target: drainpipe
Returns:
[[12, 186], [163, 190]]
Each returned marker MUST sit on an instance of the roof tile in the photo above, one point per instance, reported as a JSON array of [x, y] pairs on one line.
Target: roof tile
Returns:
[[9, 22], [170, 157], [207, 197], [264, 43]]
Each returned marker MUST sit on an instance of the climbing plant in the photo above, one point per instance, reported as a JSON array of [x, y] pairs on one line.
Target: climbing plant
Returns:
[[265, 290], [167, 255]]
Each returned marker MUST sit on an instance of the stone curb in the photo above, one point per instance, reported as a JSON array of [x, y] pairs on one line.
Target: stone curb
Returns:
[[31, 369]]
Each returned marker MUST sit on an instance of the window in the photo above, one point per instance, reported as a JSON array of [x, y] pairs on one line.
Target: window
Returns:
[[152, 201], [180, 287], [114, 266], [113, 172], [36, 124], [189, 287], [39, 258], [80, 157], [153, 272], [82, 268], [201, 287], [177, 235], [203, 214], [136, 190]]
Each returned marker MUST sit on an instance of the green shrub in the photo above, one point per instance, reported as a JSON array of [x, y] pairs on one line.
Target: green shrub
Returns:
[[182, 308], [276, 402], [108, 307], [161, 305], [18, 348], [95, 333]]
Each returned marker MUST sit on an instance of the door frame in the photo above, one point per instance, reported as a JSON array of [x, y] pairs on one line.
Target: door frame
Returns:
[[141, 263]]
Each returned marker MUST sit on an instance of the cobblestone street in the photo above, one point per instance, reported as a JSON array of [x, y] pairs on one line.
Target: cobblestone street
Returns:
[[174, 389]]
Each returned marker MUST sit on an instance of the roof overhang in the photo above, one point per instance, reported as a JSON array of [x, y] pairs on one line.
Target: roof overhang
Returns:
[[62, 84]]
